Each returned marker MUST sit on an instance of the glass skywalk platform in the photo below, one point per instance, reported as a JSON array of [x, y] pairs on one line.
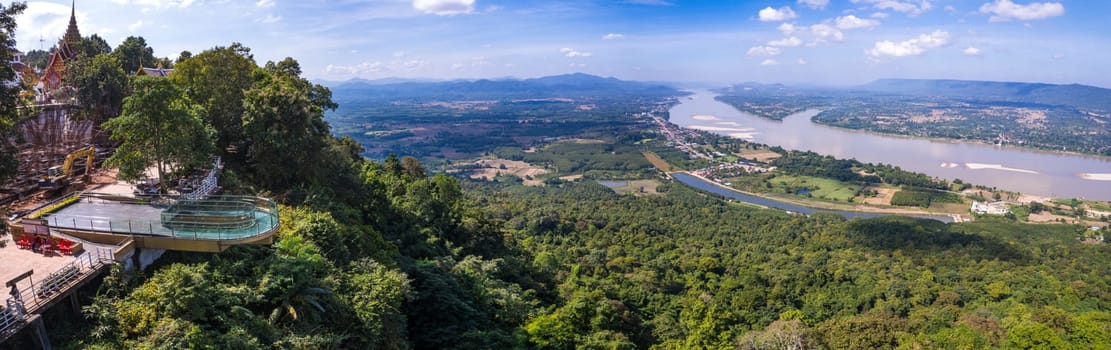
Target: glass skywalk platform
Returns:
[[223, 218]]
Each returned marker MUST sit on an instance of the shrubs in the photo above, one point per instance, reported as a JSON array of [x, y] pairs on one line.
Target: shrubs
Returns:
[[911, 198], [55, 207], [923, 197]]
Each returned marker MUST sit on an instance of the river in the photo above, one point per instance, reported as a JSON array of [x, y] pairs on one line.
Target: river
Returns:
[[1014, 169], [707, 186]]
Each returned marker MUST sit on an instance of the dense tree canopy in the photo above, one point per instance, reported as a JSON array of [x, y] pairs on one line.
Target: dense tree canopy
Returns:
[[283, 120], [133, 53], [9, 94], [216, 79], [158, 128], [91, 46], [100, 83]]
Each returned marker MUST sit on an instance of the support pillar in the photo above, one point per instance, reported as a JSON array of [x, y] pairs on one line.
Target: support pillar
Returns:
[[39, 332], [136, 261], [73, 302]]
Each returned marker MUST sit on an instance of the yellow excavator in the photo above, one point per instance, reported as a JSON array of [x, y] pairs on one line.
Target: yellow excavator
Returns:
[[58, 176]]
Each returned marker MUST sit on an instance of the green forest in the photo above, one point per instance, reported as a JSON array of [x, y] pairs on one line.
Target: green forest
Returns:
[[400, 259]]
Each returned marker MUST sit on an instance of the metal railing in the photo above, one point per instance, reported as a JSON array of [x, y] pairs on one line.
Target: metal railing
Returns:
[[12, 317], [215, 218], [27, 300]]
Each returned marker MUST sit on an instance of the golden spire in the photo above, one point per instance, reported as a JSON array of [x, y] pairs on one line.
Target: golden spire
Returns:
[[69, 42]]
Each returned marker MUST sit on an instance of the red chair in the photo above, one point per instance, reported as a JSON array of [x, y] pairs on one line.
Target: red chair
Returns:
[[65, 246], [24, 242]]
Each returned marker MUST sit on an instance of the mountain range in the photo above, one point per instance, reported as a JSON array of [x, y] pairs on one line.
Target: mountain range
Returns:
[[575, 85], [1075, 95]]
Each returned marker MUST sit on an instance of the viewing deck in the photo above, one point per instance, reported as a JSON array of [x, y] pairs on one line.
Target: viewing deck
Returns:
[[209, 225]]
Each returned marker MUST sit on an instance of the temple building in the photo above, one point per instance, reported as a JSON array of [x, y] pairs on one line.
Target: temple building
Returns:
[[67, 50], [155, 72]]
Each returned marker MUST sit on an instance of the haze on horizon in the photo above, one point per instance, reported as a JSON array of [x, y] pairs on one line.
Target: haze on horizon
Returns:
[[821, 42]]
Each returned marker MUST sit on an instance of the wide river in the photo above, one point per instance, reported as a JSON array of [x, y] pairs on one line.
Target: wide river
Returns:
[[1008, 168]]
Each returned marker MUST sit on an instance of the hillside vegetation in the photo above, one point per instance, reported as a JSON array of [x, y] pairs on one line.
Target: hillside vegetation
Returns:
[[383, 255]]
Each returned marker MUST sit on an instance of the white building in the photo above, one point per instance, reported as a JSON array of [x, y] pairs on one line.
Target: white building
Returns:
[[993, 208]]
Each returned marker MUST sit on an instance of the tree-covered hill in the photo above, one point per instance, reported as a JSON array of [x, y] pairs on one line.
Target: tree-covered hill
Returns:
[[402, 260]]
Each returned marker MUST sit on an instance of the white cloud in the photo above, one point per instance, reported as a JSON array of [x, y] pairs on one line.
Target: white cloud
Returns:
[[763, 51], [823, 33], [1058, 56], [365, 67], [1005, 10], [45, 19], [786, 42], [814, 4], [801, 61], [157, 3], [786, 28], [909, 7], [264, 3], [444, 7], [376, 67], [270, 18], [879, 15], [400, 54], [769, 14], [479, 61], [949, 8], [912, 47], [769, 62], [569, 52], [135, 26], [854, 22], [971, 51], [612, 36], [577, 65]]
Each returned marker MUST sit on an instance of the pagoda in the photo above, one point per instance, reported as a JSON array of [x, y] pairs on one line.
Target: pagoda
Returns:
[[67, 50]]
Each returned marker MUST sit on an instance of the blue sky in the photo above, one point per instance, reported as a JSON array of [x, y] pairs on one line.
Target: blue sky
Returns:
[[822, 42]]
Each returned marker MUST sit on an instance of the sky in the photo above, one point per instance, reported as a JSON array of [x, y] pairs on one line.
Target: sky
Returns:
[[812, 42]]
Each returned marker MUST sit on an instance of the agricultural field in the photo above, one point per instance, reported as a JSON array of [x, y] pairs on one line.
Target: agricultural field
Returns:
[[658, 162], [815, 187], [636, 187], [489, 169]]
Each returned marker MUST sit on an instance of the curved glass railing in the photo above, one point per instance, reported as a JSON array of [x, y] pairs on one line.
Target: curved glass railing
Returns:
[[212, 218]]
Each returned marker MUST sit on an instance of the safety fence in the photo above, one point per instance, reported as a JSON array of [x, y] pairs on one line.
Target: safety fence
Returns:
[[29, 299]]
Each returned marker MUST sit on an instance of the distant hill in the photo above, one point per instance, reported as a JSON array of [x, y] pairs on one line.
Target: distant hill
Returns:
[[1081, 96], [576, 85]]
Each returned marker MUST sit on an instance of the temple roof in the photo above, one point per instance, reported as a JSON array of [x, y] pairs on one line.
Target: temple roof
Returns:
[[68, 43], [155, 72]]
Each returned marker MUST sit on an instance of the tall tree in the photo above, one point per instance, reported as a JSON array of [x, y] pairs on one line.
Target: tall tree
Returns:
[[36, 59], [133, 53], [93, 45], [101, 84], [284, 121], [158, 127], [216, 79], [9, 93], [184, 55]]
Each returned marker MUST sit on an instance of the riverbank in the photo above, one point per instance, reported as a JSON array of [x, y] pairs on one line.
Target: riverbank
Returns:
[[961, 141], [1050, 173], [807, 207]]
